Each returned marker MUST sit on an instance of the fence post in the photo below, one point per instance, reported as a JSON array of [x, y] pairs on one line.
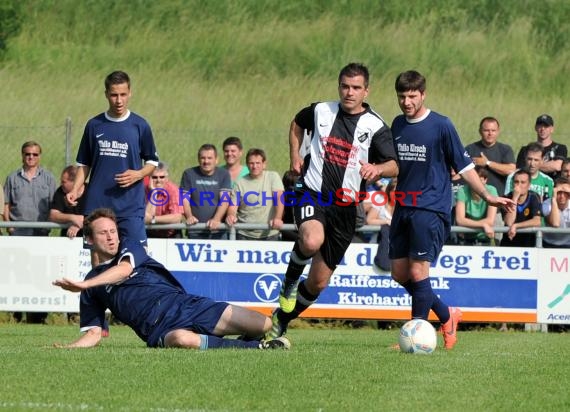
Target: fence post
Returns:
[[67, 141]]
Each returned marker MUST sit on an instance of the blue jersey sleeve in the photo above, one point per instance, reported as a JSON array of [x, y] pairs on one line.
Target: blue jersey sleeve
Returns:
[[455, 153]]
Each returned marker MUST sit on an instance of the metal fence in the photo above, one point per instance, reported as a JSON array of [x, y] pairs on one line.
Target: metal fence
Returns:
[[539, 231]]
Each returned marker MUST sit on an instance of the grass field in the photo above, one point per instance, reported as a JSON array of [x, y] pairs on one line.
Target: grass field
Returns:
[[326, 370]]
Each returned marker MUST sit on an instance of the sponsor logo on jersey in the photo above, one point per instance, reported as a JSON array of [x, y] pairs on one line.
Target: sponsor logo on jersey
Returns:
[[362, 138]]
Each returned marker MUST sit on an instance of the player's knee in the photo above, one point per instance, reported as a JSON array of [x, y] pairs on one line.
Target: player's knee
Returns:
[[267, 325], [400, 277], [310, 244], [182, 339]]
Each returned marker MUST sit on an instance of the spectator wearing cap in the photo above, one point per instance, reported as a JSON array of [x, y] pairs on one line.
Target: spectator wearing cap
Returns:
[[553, 153]]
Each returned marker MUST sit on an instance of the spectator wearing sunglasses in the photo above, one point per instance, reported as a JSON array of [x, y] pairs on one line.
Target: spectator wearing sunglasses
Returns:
[[162, 203], [27, 196], [28, 192]]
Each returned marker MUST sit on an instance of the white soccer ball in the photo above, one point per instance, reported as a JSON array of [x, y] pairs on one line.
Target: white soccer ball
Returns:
[[417, 336]]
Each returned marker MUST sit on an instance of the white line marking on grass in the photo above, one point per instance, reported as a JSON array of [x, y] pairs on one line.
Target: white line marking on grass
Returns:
[[50, 405]]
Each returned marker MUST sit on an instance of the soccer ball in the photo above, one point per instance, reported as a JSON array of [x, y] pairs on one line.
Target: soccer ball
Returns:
[[417, 336]]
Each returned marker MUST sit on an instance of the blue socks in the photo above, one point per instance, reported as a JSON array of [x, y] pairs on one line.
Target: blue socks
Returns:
[[212, 342], [422, 298], [440, 309]]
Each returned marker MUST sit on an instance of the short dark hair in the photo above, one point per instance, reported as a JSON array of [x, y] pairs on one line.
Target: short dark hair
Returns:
[[482, 171], [488, 119], [353, 70], [117, 77], [522, 171], [70, 171], [93, 216], [207, 146], [561, 181], [410, 80], [232, 140], [534, 147], [256, 152]]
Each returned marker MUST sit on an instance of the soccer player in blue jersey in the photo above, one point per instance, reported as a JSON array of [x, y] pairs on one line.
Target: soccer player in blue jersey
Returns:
[[112, 151], [144, 295], [428, 148], [350, 144]]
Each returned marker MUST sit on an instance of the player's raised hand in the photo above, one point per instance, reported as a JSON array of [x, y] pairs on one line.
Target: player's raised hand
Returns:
[[71, 197], [128, 177]]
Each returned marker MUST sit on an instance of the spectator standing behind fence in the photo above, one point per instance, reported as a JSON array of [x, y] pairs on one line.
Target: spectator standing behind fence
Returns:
[[163, 203], [27, 196], [113, 147], [474, 212], [553, 153], [498, 158], [540, 182], [233, 151], [257, 198], [28, 192], [526, 214], [557, 213], [205, 193], [61, 211]]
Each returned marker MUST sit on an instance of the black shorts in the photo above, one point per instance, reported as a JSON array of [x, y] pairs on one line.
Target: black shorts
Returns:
[[338, 220]]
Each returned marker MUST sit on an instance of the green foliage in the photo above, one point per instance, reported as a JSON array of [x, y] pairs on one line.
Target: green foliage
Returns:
[[10, 21], [326, 369]]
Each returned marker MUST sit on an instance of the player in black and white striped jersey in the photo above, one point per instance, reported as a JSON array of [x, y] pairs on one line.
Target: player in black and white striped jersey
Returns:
[[350, 144]]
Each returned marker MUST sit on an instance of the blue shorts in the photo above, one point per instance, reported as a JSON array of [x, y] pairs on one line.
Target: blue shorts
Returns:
[[191, 312], [132, 227], [418, 233]]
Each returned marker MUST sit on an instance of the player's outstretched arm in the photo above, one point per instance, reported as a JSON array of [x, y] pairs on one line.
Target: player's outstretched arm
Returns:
[[111, 276], [88, 340]]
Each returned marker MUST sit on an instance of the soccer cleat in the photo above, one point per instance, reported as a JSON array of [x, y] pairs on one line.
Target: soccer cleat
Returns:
[[277, 328], [278, 343], [449, 328], [288, 297]]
